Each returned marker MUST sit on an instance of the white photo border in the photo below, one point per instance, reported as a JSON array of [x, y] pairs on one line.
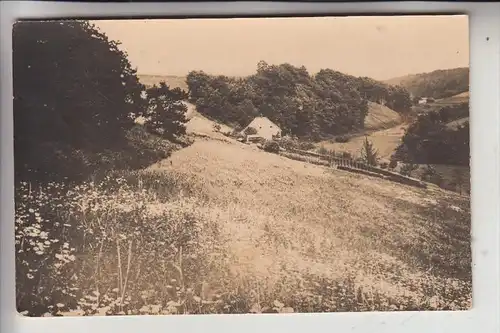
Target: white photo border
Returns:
[[484, 27]]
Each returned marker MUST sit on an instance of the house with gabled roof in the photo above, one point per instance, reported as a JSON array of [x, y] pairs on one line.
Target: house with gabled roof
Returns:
[[264, 128]]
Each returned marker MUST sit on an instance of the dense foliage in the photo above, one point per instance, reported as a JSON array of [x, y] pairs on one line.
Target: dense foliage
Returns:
[[430, 141], [436, 84], [307, 106], [394, 97], [166, 113], [75, 100]]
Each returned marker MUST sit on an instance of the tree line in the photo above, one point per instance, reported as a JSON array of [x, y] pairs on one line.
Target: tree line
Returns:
[[436, 84], [76, 97], [429, 140], [311, 107]]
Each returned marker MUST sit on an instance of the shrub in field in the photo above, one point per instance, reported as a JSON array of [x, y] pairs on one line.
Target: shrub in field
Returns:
[[407, 169], [271, 146], [393, 164], [369, 154], [384, 165], [306, 145], [293, 143], [342, 139]]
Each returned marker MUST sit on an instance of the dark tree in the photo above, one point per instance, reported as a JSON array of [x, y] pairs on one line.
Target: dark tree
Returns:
[[166, 112], [369, 154], [431, 139], [74, 92]]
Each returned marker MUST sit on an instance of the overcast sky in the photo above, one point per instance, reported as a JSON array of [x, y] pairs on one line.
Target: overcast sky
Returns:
[[379, 47]]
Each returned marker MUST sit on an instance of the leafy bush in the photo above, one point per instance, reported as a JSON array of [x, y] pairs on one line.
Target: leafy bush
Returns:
[[407, 169], [369, 155], [294, 143], [306, 145], [393, 164], [384, 165], [342, 139], [271, 147]]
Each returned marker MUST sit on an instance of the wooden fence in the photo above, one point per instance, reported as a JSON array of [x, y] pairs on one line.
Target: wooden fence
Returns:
[[351, 165]]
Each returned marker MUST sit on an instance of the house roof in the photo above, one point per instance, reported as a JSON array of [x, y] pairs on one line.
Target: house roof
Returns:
[[263, 124]]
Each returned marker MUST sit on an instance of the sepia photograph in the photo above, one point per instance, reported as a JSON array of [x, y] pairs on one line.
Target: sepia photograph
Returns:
[[242, 165]]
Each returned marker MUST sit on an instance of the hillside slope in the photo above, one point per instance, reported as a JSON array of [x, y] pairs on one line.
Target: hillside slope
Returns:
[[198, 124], [380, 116], [285, 225], [436, 84], [456, 99]]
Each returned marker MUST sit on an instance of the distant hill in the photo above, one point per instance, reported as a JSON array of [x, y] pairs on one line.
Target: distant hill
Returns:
[[456, 99], [458, 102], [437, 84], [172, 81]]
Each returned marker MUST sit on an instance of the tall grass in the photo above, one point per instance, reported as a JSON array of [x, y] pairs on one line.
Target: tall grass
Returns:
[[107, 247], [137, 243]]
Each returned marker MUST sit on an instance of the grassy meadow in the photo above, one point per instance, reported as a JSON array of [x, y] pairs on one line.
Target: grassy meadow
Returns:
[[222, 227]]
